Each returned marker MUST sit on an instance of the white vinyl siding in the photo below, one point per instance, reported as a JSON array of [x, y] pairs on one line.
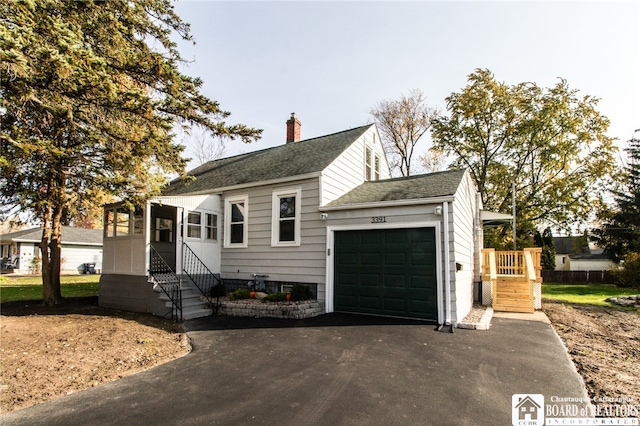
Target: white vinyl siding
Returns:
[[75, 256], [128, 255], [348, 170], [124, 256], [463, 241]]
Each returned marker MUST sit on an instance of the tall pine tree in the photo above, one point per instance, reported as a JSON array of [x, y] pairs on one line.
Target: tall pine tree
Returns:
[[91, 93], [548, 256], [620, 231]]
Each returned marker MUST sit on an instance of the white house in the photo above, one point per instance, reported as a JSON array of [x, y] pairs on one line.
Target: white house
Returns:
[[576, 254], [21, 249], [323, 212]]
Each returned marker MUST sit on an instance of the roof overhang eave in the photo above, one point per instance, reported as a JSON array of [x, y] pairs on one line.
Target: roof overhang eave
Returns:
[[394, 203], [220, 190], [491, 219]]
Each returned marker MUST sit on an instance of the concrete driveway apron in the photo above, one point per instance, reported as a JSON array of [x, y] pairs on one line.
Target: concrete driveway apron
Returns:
[[331, 370]]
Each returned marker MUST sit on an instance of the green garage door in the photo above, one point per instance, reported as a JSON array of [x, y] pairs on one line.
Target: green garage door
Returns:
[[386, 272]]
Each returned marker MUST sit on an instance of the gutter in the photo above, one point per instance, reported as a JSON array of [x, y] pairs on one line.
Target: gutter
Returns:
[[447, 272], [395, 203], [219, 191]]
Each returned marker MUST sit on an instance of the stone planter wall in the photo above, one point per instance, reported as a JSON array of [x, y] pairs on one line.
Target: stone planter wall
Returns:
[[287, 310]]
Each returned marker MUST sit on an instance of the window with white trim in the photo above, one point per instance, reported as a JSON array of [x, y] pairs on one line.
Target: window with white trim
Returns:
[[109, 224], [211, 227], [376, 167], [194, 222], [122, 222], [285, 225], [236, 221], [138, 222], [367, 163]]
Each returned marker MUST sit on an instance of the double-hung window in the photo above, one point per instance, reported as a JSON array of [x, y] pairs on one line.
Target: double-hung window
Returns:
[[194, 221], [211, 227], [236, 221], [367, 163], [285, 225], [376, 168]]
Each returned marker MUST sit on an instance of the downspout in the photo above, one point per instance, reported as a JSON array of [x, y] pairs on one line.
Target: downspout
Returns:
[[447, 272]]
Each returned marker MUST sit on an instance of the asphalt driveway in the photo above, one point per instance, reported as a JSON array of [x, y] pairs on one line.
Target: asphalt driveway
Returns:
[[331, 370]]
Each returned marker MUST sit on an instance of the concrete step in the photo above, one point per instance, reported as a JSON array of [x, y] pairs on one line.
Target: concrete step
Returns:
[[193, 313]]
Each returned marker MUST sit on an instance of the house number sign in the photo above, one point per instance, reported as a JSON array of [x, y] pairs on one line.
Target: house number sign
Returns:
[[379, 219]]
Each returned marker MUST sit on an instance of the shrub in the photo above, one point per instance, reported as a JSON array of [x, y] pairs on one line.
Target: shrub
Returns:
[[628, 273], [276, 297], [218, 290], [301, 292], [240, 293]]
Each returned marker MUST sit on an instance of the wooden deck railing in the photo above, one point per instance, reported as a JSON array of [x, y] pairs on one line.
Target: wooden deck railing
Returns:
[[524, 263], [512, 276]]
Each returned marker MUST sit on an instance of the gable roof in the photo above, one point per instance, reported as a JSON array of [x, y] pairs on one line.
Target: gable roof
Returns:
[[70, 235], [439, 184], [577, 247], [570, 245], [291, 159]]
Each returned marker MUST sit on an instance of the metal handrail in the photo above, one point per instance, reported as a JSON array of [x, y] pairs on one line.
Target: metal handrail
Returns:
[[197, 271], [166, 280]]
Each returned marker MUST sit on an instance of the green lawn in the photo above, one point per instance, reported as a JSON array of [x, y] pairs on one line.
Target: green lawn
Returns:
[[586, 294], [30, 288]]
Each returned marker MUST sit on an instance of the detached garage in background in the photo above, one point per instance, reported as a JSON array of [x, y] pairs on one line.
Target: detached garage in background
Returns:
[[80, 247]]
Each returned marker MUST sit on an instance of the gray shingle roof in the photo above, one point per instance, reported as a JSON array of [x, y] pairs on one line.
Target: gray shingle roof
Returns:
[[70, 235], [431, 185], [292, 159]]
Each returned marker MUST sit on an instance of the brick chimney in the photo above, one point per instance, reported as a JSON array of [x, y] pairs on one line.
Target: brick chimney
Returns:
[[293, 128]]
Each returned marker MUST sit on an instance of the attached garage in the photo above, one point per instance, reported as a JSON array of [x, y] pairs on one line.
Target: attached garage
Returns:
[[405, 247], [388, 272]]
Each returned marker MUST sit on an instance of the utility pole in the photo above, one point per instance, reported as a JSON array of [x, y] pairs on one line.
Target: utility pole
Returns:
[[513, 212]]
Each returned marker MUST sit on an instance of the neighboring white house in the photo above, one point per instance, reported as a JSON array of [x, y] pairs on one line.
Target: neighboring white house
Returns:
[[323, 212], [20, 250], [576, 254]]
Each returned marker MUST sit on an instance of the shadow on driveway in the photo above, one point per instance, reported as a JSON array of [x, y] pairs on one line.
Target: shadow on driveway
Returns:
[[327, 320]]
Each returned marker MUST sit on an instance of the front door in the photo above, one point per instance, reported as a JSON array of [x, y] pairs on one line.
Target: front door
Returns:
[[163, 233]]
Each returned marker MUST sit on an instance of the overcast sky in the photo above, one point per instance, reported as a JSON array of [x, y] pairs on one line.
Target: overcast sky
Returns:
[[331, 62]]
